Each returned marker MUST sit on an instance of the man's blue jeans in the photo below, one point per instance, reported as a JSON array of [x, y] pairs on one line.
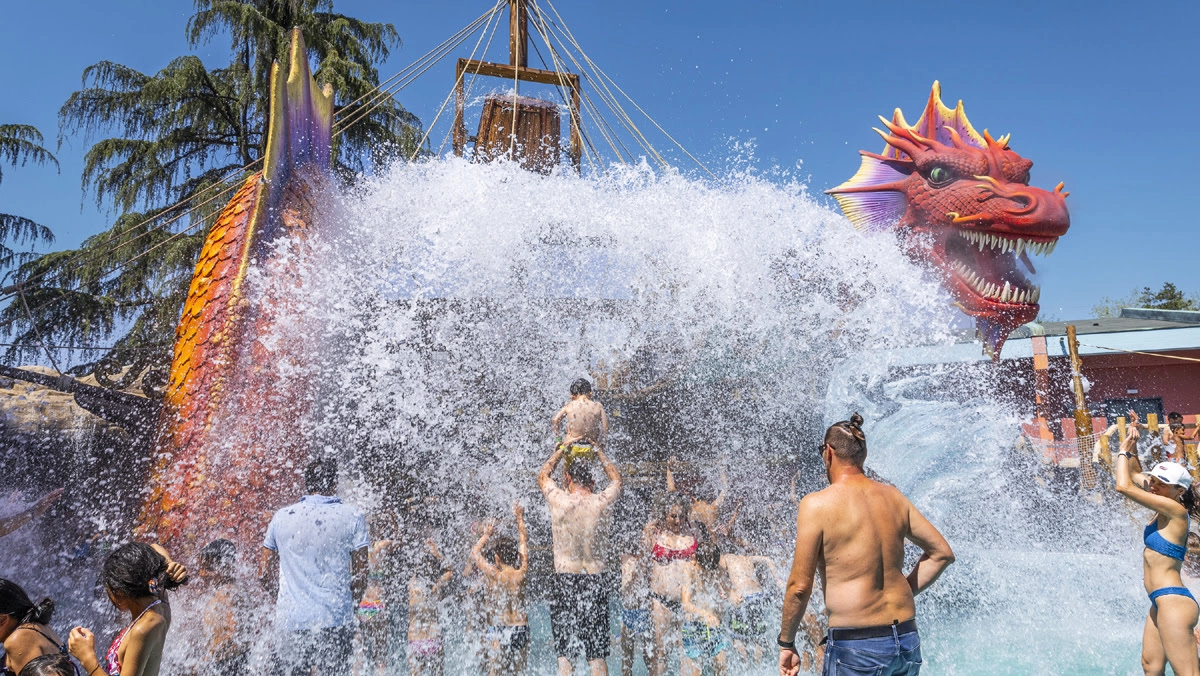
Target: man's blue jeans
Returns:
[[896, 655]]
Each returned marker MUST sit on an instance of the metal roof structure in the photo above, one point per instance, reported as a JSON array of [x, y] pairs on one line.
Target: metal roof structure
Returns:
[[1137, 329]]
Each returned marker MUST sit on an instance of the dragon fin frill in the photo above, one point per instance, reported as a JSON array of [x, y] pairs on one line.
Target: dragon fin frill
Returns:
[[214, 472]]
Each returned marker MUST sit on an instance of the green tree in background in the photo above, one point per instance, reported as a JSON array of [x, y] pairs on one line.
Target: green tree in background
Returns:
[[1169, 297], [180, 137], [19, 145]]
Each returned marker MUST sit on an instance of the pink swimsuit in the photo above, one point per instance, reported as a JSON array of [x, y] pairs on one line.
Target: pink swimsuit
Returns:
[[112, 660]]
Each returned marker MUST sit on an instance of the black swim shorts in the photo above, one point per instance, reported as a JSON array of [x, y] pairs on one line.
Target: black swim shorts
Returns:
[[579, 615]]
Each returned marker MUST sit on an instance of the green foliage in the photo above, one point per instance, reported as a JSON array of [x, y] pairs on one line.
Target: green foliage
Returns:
[[1166, 298], [187, 136], [19, 145]]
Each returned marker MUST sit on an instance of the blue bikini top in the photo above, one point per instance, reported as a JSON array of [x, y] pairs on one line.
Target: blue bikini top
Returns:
[[1156, 542]]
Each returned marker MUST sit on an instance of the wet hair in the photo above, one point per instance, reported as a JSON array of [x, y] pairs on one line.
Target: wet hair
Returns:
[[135, 571], [581, 386], [506, 549], [1189, 500], [430, 567], [320, 476], [14, 602], [218, 556], [581, 474], [708, 556], [675, 500], [54, 664], [847, 440], [1175, 415]]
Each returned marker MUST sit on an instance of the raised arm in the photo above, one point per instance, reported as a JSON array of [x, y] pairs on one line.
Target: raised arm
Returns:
[[477, 557], [721, 493], [603, 440], [268, 571], [613, 490], [670, 475], [936, 553], [556, 421], [522, 537], [809, 536], [360, 571], [1131, 486], [544, 480], [12, 523]]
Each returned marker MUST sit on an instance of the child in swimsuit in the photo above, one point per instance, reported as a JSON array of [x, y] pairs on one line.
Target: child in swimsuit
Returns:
[[705, 603], [137, 577], [425, 589], [382, 593], [504, 576], [25, 629], [225, 610]]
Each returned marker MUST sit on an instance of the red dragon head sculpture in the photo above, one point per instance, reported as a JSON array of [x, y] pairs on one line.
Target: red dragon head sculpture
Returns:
[[963, 205]]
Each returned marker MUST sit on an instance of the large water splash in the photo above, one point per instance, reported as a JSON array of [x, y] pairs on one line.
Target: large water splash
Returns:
[[458, 301]]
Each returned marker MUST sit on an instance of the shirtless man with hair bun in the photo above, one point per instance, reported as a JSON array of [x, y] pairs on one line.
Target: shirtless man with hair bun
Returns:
[[853, 534]]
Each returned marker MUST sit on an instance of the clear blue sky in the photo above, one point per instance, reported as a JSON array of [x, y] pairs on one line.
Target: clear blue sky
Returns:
[[1100, 95]]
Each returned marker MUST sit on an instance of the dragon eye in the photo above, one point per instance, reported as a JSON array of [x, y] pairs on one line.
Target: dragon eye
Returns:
[[939, 176]]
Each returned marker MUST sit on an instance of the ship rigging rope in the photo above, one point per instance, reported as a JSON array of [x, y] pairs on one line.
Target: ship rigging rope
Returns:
[[606, 97], [1148, 354], [446, 47], [576, 115], [457, 81], [37, 331], [70, 262], [469, 87], [412, 72], [563, 27]]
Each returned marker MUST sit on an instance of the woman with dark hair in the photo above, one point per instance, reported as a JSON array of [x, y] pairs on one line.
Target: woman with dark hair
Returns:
[[1168, 635], [137, 577], [25, 628], [56, 664], [672, 543]]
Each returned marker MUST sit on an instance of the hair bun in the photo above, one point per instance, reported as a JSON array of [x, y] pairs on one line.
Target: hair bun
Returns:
[[42, 612], [856, 420]]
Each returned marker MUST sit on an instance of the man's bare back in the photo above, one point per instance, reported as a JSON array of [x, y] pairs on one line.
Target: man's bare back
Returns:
[[585, 421]]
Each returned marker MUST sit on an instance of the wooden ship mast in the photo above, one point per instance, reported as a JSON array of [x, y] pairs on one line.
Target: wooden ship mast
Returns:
[[522, 129]]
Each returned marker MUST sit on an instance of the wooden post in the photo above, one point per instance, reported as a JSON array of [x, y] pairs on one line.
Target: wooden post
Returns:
[[1156, 455], [1083, 419], [460, 128], [576, 121], [518, 34]]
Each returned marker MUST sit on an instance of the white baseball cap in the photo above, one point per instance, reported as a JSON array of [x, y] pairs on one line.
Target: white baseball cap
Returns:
[[1172, 473]]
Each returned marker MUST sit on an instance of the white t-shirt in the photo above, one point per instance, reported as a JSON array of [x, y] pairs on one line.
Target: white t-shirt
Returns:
[[314, 539], [579, 523]]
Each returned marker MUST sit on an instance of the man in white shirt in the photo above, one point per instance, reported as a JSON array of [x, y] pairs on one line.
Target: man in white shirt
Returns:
[[315, 557], [579, 522]]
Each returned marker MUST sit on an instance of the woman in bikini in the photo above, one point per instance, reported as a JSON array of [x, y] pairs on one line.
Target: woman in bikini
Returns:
[[137, 577], [1165, 489], [25, 628], [672, 543]]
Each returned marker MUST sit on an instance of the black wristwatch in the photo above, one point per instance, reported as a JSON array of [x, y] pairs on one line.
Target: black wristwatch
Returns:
[[788, 645], [1127, 455]]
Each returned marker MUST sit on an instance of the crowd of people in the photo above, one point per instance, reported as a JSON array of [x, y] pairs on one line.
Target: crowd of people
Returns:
[[691, 590]]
